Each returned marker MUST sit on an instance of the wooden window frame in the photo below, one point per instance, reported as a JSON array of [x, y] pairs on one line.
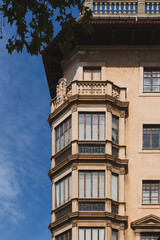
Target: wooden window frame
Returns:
[[98, 192], [149, 127], [59, 183], [151, 182], [92, 69], [114, 116], [98, 134], [115, 230], [58, 128], [150, 71], [92, 228], [62, 235], [114, 174]]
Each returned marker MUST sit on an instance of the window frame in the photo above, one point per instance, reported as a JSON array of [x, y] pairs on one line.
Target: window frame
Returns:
[[151, 182], [116, 117], [91, 113], [98, 182], [150, 127], [69, 134], [116, 231], [151, 70], [149, 236], [69, 188], [114, 174], [62, 235], [92, 69], [91, 228]]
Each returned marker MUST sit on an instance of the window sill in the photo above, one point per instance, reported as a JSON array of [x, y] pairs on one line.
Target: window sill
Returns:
[[149, 94], [150, 206]]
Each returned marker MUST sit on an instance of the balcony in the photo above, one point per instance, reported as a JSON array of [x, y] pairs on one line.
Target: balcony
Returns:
[[86, 88], [124, 7]]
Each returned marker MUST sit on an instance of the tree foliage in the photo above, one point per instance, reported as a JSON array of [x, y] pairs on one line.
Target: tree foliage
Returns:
[[34, 22]]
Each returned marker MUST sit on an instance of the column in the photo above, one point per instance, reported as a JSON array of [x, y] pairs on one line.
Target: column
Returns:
[[108, 187], [109, 129], [121, 191], [74, 230], [53, 146], [74, 130], [122, 134], [121, 232], [74, 188], [108, 230]]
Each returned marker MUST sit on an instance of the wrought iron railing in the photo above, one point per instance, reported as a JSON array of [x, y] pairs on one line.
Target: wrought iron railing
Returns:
[[91, 148], [63, 156], [91, 206], [114, 208], [63, 211]]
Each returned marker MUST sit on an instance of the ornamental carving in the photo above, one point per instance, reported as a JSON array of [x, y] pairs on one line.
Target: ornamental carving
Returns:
[[109, 108], [121, 227], [122, 114], [74, 167], [108, 224], [122, 171], [74, 223], [74, 109], [61, 90], [109, 167]]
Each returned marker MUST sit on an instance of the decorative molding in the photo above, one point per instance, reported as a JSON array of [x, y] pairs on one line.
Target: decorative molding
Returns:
[[109, 224], [52, 181], [122, 114], [109, 108], [137, 234], [109, 167], [121, 227], [151, 221], [74, 167], [74, 109], [122, 171], [74, 223], [52, 127]]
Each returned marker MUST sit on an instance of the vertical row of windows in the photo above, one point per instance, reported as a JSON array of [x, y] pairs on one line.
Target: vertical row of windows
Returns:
[[65, 236], [63, 134], [91, 233], [91, 184], [63, 190], [91, 126]]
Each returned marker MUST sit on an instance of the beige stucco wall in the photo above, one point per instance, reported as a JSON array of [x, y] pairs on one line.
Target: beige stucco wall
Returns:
[[124, 67]]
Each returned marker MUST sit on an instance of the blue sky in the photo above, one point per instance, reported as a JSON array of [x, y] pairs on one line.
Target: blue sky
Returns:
[[25, 146]]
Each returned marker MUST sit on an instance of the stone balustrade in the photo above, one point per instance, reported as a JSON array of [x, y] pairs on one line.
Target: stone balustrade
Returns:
[[124, 7], [85, 88]]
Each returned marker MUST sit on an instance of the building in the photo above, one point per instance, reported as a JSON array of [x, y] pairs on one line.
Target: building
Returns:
[[105, 125]]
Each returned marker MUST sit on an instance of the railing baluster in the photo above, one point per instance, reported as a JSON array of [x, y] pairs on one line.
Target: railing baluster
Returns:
[[134, 7], [157, 7], [152, 7], [100, 10], [96, 7], [124, 8], [110, 8], [147, 7], [129, 8]]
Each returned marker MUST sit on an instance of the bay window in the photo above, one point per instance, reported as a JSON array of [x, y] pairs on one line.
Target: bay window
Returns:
[[63, 134], [65, 236], [91, 233], [91, 126], [63, 190], [91, 184]]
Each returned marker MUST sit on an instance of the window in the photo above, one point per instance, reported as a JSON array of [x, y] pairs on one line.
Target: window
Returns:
[[150, 192], [115, 187], [65, 236], [114, 234], [91, 126], [115, 129], [150, 236], [151, 80], [63, 134], [93, 73], [91, 233], [151, 136], [63, 190], [91, 184]]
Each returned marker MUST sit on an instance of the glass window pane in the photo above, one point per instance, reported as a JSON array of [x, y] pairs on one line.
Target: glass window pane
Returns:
[[95, 127], [96, 74], [57, 139], [87, 74], [61, 136], [66, 189], [70, 129], [147, 88], [147, 81], [95, 184], [101, 184], [66, 236], [114, 235], [114, 187], [101, 234], [155, 81], [81, 234], [155, 88], [88, 234], [101, 126], [114, 129], [95, 234], [57, 195], [146, 140], [61, 192], [81, 184], [88, 126], [88, 184], [155, 141], [81, 126], [70, 186], [66, 133]]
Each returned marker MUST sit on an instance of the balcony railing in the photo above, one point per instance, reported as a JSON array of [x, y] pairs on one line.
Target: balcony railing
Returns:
[[124, 7], [85, 88]]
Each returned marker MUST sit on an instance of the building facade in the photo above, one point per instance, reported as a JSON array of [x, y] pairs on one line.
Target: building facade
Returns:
[[105, 125]]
